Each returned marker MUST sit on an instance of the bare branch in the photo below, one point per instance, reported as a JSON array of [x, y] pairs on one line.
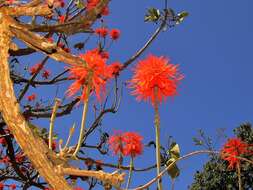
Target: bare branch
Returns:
[[114, 179]]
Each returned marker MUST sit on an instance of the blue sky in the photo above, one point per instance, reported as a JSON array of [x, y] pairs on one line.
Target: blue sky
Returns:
[[214, 50]]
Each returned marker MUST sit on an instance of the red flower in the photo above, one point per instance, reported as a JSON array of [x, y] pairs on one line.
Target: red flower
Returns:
[[35, 68], [78, 188], [102, 32], [233, 148], [115, 34], [12, 186], [20, 157], [96, 69], [50, 40], [54, 144], [105, 11], [3, 141], [91, 4], [61, 45], [105, 54], [5, 160], [115, 68], [116, 143], [46, 74], [1, 186], [133, 144], [155, 72], [66, 50], [61, 19], [31, 97], [10, 2], [128, 143]]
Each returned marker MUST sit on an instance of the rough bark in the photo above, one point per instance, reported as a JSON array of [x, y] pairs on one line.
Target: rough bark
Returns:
[[34, 148]]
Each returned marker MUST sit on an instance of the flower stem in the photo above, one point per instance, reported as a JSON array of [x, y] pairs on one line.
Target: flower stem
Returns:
[[239, 176], [130, 172], [71, 132], [85, 109], [52, 119], [157, 130]]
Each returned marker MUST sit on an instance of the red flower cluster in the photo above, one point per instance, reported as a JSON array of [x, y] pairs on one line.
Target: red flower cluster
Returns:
[[115, 34], [105, 54], [20, 157], [11, 186], [61, 19], [78, 188], [35, 68], [3, 141], [50, 40], [5, 160], [31, 97], [128, 144], [45, 74], [91, 4], [155, 72], [233, 148], [102, 32], [9, 2], [115, 68], [95, 70]]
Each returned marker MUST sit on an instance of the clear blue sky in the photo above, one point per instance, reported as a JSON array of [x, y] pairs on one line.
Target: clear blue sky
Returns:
[[214, 49]]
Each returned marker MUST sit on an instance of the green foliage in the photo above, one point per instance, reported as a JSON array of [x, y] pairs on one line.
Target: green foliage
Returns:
[[174, 154], [79, 4], [153, 15], [215, 174], [181, 16]]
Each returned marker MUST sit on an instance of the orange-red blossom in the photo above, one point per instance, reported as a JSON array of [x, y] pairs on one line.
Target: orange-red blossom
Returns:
[[233, 148], [155, 73], [95, 74]]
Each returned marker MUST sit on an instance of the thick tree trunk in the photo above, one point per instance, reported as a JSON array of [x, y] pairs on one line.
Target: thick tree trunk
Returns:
[[33, 147]]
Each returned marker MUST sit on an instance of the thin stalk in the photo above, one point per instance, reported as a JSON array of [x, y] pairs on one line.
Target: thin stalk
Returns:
[[71, 132], [239, 176], [130, 172], [85, 109], [172, 184], [52, 119], [157, 130]]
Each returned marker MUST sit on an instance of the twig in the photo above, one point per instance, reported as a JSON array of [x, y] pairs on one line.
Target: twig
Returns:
[[51, 127], [85, 109], [146, 45]]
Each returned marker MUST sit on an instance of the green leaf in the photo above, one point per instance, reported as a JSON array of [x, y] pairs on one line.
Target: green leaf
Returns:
[[197, 141], [174, 151], [79, 4], [173, 171], [181, 16], [153, 15]]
